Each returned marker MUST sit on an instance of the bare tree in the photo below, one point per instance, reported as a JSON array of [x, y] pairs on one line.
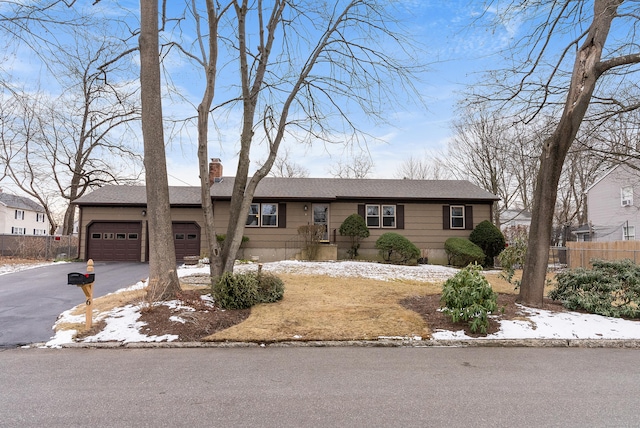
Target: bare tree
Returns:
[[598, 72], [481, 153], [163, 278], [415, 169], [283, 166], [313, 62], [73, 143], [358, 166]]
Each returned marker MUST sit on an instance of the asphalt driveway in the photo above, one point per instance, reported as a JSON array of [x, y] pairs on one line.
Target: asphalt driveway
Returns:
[[31, 300]]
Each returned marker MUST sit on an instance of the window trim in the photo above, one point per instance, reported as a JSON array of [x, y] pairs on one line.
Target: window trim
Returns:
[[380, 216], [462, 216], [259, 215], [626, 235], [374, 216], [19, 215], [274, 215], [40, 218], [626, 196]]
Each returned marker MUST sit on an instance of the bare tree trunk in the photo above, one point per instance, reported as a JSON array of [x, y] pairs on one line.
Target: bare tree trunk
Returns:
[[586, 71], [163, 278], [215, 261]]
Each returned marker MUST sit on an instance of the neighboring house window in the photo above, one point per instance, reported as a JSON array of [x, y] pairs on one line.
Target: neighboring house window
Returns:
[[628, 233], [626, 196], [19, 214], [381, 216], [39, 232], [457, 217], [266, 215], [18, 230], [40, 217]]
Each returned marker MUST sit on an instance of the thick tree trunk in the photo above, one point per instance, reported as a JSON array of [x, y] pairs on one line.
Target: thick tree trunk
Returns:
[[163, 278], [587, 69]]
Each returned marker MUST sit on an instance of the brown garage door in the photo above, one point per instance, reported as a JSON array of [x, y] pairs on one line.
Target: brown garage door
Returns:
[[114, 241], [186, 238]]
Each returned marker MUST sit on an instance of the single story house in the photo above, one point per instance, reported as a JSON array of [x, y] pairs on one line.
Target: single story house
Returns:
[[113, 223]]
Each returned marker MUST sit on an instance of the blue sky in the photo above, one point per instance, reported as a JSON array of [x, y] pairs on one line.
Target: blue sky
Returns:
[[457, 52]]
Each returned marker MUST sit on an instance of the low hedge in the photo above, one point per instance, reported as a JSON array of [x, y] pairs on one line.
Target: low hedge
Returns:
[[462, 252]]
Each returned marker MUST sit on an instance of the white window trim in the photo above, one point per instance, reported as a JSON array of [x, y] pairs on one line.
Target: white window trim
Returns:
[[19, 215], [626, 196], [275, 214], [451, 217], [381, 216], [628, 233], [259, 215], [367, 216], [40, 218]]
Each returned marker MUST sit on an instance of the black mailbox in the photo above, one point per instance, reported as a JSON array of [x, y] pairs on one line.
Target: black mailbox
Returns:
[[77, 278]]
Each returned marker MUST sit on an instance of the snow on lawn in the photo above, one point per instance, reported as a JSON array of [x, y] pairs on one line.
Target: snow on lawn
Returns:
[[123, 325]]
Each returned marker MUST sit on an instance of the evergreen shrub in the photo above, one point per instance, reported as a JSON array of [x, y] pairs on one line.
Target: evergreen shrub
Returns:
[[395, 248], [462, 252], [243, 290], [489, 238], [468, 297], [356, 228], [611, 288]]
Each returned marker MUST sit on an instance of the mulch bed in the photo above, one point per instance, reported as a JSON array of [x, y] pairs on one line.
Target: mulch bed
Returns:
[[207, 320], [428, 308], [202, 322]]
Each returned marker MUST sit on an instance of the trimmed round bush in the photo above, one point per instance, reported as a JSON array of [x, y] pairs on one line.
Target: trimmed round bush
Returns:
[[462, 252], [489, 238], [356, 228], [395, 248]]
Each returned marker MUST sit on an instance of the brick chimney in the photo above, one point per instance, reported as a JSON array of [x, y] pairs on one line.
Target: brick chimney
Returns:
[[215, 171]]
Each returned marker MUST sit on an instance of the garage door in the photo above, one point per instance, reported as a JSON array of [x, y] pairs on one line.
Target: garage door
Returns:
[[186, 238], [115, 241]]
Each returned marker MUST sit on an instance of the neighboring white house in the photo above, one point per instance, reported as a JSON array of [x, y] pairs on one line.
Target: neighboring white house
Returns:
[[22, 216], [613, 203], [514, 218]]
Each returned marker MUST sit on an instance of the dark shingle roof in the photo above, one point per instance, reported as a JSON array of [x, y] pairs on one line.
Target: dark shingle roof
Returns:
[[344, 188], [137, 195], [304, 188], [20, 202]]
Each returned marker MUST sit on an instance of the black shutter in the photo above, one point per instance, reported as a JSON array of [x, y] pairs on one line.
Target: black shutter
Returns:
[[468, 217], [446, 217], [361, 211], [282, 216], [399, 216]]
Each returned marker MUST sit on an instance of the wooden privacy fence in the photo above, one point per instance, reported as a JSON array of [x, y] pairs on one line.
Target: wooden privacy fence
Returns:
[[580, 254]]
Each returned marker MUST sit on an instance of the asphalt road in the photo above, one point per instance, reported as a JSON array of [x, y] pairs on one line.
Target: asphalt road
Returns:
[[31, 300], [320, 387]]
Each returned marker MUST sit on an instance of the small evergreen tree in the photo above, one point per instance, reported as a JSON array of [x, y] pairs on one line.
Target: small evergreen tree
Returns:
[[489, 238], [355, 228]]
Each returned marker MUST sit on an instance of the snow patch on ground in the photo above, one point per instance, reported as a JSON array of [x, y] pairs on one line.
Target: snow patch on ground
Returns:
[[123, 325]]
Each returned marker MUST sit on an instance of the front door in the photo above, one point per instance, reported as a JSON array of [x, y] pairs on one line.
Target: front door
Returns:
[[321, 217]]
